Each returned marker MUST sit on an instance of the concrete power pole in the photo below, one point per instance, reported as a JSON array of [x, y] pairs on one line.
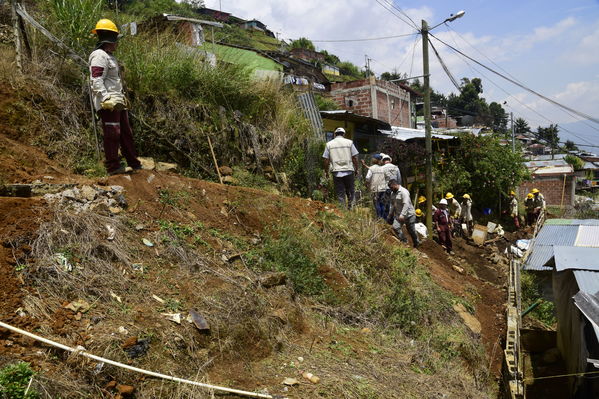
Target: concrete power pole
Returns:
[[427, 129]]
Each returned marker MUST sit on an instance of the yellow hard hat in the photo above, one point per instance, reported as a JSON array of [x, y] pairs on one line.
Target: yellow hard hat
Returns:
[[448, 196], [467, 196], [421, 199], [535, 190], [512, 192], [105, 24], [418, 212], [529, 195]]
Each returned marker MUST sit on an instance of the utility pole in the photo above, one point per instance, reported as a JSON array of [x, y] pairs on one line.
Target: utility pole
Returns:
[[513, 135], [427, 129]]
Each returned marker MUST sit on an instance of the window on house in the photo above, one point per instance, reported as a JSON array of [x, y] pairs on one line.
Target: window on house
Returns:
[[350, 103], [393, 104]]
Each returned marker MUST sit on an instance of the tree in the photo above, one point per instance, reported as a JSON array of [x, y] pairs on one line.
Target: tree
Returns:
[[393, 75], [349, 69], [521, 126], [330, 58], [196, 4], [498, 118], [303, 42], [481, 165], [550, 136], [570, 146], [573, 160]]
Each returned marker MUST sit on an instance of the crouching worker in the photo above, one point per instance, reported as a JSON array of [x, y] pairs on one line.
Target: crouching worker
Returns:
[[109, 99], [402, 213]]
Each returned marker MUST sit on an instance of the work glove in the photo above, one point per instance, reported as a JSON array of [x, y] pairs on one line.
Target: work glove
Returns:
[[108, 104]]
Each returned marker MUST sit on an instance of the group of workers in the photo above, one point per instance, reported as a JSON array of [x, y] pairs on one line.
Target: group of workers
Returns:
[[392, 201]]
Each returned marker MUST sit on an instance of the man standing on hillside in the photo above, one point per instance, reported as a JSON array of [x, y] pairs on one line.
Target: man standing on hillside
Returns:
[[530, 209], [375, 178], [341, 158], [402, 212], [109, 99]]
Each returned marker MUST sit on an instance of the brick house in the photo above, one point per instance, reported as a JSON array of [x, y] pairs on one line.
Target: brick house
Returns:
[[554, 182], [307, 55], [379, 99]]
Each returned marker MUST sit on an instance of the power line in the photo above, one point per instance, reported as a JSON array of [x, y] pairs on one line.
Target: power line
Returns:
[[385, 5], [562, 106], [447, 72], [474, 70], [517, 100], [451, 31], [364, 40], [392, 4]]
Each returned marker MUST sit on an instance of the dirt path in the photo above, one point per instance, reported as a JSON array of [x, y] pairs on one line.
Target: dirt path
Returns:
[[481, 284]]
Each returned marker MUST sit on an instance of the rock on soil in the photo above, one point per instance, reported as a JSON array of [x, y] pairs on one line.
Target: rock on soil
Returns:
[[471, 321]]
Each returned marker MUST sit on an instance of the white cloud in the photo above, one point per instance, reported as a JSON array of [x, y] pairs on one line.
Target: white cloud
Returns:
[[349, 19], [581, 95]]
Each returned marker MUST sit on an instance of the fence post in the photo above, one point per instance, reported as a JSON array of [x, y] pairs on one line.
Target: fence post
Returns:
[[17, 33]]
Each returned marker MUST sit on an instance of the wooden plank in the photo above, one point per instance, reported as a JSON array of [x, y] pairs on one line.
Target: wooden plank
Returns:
[[29, 19]]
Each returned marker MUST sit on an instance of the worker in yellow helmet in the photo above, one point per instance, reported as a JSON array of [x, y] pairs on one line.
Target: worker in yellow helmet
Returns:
[[466, 213], [539, 201], [109, 99], [514, 209], [421, 204], [454, 207], [530, 209]]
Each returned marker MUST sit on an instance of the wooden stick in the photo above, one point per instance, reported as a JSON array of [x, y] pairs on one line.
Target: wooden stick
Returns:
[[17, 33], [220, 178]]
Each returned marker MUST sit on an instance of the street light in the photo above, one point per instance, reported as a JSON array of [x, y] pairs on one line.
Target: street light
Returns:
[[427, 117]]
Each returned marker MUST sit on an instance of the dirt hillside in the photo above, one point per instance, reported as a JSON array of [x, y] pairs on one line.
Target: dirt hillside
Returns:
[[86, 277]]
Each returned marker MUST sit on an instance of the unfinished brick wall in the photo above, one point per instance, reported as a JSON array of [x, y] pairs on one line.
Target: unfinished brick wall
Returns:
[[551, 187], [392, 102]]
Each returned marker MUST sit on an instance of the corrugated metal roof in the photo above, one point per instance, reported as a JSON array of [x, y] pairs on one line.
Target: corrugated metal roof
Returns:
[[588, 236], [587, 280], [580, 258], [577, 222], [591, 165], [538, 258], [404, 133], [563, 235], [589, 306], [550, 170], [544, 164]]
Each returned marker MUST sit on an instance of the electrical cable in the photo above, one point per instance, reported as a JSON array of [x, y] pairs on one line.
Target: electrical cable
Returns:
[[451, 32], [385, 5], [364, 40], [518, 101], [562, 106], [447, 72], [392, 4]]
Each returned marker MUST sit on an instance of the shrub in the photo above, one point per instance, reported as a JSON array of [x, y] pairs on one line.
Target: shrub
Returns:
[[73, 20], [14, 380], [573, 160], [290, 253]]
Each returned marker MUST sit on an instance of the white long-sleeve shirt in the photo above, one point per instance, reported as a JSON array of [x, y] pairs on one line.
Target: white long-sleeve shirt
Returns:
[[401, 204], [105, 78]]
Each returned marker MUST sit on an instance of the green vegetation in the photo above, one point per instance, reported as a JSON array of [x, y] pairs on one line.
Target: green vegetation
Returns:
[[72, 21], [14, 380], [483, 166], [531, 293], [303, 42], [575, 161]]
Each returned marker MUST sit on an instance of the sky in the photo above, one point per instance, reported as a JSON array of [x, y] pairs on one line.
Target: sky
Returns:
[[550, 46]]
